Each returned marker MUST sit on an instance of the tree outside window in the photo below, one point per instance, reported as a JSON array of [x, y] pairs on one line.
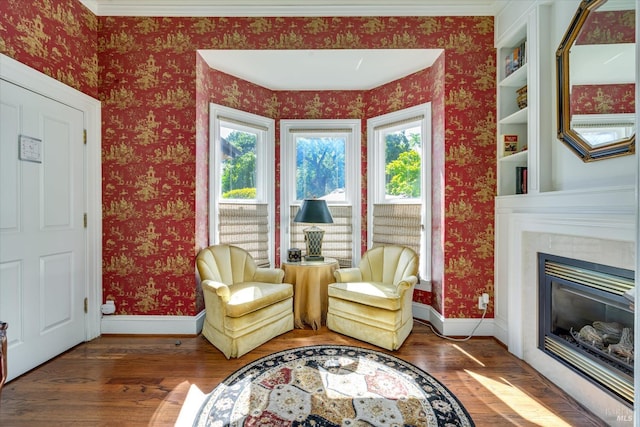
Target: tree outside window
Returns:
[[238, 179], [403, 163], [320, 167]]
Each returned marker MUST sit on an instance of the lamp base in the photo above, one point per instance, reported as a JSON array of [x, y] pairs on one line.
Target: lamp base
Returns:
[[313, 237]]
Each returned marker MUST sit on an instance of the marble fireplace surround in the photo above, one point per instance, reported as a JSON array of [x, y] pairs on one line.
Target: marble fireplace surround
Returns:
[[604, 236]]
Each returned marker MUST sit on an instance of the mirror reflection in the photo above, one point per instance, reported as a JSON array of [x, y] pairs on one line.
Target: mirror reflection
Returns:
[[596, 80]]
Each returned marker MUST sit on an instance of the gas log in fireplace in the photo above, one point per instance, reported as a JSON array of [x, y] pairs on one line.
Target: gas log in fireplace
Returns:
[[586, 320]]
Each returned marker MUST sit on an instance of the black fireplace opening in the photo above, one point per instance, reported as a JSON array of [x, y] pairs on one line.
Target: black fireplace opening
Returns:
[[586, 320]]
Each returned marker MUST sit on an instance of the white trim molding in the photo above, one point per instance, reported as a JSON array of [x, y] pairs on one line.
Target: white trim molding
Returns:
[[250, 8], [153, 325], [454, 327]]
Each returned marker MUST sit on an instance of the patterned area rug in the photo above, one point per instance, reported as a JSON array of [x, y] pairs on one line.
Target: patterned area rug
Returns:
[[331, 386]]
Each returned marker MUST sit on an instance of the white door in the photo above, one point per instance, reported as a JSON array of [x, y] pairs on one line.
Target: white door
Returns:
[[42, 234]]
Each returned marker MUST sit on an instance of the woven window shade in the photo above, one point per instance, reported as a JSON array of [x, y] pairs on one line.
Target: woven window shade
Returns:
[[337, 242], [397, 224], [246, 225]]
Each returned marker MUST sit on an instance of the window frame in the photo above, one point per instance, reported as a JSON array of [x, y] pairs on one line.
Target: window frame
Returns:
[[376, 191], [264, 128], [353, 166]]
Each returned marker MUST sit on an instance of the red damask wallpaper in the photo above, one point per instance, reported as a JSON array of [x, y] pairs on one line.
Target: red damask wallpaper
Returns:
[[613, 26], [616, 26], [56, 37], [154, 91], [603, 99]]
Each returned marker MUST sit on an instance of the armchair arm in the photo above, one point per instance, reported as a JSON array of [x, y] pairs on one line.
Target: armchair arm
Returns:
[[406, 283], [345, 275], [219, 288], [404, 288], [269, 275]]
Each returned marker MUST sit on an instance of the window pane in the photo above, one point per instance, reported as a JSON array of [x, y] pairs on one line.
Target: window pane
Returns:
[[320, 167], [403, 162], [238, 148]]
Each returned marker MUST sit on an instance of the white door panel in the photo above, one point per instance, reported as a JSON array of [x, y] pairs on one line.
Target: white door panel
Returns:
[[42, 235], [9, 206]]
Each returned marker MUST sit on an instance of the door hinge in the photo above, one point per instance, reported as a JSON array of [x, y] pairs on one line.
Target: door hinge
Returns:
[[86, 305], [84, 136], [85, 220]]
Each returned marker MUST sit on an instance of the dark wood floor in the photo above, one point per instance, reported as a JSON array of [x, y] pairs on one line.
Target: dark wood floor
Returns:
[[124, 380]]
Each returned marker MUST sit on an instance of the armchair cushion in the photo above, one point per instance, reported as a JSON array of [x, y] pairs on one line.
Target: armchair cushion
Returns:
[[248, 297], [375, 294]]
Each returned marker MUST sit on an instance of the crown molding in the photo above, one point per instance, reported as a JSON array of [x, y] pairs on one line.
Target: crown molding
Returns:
[[92, 5], [292, 8]]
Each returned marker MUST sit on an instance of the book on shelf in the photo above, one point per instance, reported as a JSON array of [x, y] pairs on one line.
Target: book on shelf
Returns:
[[516, 58], [521, 180], [509, 144]]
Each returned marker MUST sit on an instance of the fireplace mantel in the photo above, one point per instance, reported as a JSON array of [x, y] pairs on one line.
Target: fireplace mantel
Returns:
[[597, 226], [608, 214]]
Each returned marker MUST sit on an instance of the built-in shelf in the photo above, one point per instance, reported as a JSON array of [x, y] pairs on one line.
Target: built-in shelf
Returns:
[[512, 120], [516, 79], [519, 117], [519, 157]]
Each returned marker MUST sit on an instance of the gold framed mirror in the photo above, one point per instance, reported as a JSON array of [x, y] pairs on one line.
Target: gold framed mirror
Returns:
[[596, 77]]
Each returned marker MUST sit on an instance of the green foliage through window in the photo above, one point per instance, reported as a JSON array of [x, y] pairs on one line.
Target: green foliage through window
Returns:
[[403, 163], [242, 193], [238, 179]]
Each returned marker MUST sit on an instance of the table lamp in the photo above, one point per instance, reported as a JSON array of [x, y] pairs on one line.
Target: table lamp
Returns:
[[314, 211]]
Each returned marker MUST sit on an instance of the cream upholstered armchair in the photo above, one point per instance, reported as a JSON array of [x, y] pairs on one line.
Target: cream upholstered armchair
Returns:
[[372, 302], [245, 305]]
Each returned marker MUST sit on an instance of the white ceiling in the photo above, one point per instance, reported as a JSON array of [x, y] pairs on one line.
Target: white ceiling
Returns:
[[328, 69]]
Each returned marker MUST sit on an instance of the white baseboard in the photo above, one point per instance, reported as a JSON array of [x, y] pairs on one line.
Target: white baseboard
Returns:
[[192, 325], [423, 285], [422, 311], [500, 331], [152, 325], [453, 327]]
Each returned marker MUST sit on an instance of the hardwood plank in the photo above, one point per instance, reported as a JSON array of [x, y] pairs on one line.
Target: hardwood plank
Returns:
[[140, 380]]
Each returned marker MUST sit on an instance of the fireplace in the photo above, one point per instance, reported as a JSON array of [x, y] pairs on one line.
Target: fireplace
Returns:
[[586, 321]]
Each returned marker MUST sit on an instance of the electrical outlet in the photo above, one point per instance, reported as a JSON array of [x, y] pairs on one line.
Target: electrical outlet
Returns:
[[483, 301], [109, 307]]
